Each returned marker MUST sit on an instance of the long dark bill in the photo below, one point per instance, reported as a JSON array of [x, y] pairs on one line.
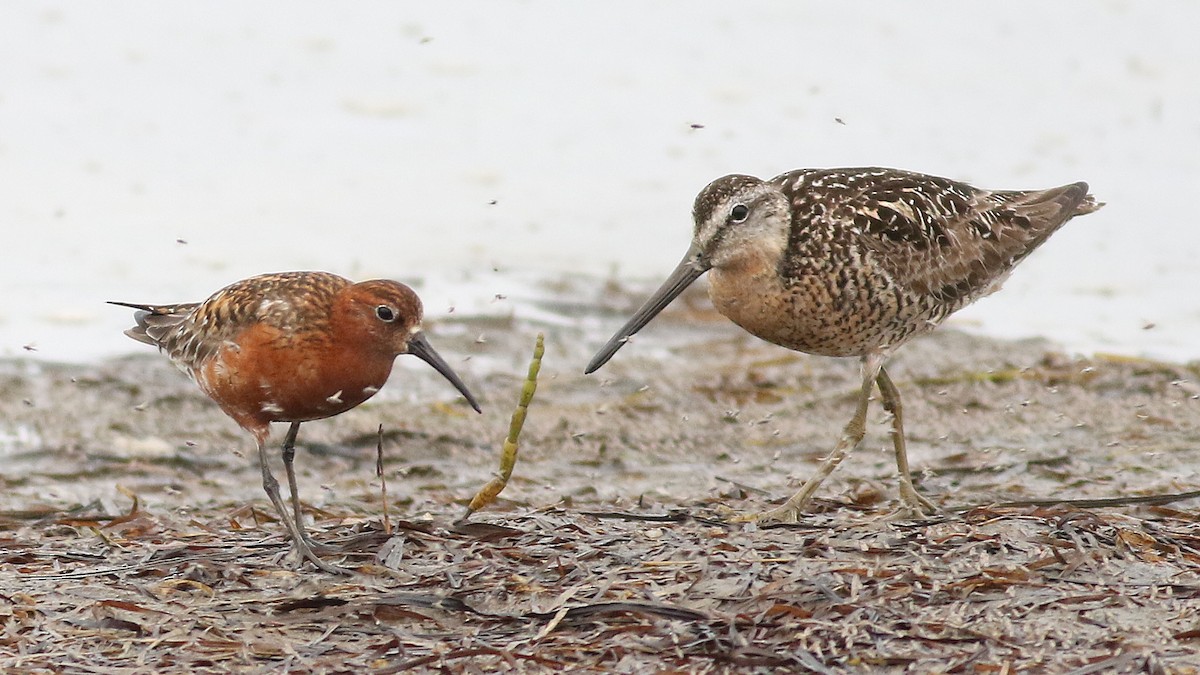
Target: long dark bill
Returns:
[[688, 270], [419, 347]]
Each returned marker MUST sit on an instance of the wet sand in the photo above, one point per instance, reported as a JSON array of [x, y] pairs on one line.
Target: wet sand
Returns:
[[609, 549]]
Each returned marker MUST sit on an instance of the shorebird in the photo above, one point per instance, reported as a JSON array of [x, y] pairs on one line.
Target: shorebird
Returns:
[[291, 347], [854, 262]]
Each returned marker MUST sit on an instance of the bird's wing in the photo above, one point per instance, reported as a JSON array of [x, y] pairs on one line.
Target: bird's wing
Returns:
[[936, 236]]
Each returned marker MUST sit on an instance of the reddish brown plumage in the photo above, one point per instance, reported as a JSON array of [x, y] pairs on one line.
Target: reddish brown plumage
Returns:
[[291, 347]]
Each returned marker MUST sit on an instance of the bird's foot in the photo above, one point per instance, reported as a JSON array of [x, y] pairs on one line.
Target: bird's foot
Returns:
[[305, 551], [913, 505], [318, 547], [787, 513]]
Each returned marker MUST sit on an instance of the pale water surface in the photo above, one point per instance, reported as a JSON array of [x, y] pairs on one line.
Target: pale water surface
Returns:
[[155, 151]]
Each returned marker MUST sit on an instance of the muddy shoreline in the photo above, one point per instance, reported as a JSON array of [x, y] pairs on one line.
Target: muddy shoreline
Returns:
[[619, 495]]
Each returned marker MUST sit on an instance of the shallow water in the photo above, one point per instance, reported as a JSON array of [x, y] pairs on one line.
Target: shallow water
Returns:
[[155, 152]]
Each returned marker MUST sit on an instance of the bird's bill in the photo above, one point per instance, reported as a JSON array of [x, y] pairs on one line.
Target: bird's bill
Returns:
[[419, 347], [688, 270]]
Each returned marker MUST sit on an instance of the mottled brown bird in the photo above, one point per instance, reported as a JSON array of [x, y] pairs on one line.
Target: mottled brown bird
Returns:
[[854, 262], [291, 347]]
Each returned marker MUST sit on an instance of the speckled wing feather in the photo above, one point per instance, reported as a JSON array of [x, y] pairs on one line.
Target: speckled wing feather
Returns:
[[192, 333], [168, 327], [936, 237]]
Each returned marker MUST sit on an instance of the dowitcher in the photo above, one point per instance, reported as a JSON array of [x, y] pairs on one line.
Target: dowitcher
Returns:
[[854, 262], [291, 347]]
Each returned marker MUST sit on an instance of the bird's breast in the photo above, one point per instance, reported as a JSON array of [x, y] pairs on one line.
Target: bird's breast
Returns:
[[830, 311], [263, 378]]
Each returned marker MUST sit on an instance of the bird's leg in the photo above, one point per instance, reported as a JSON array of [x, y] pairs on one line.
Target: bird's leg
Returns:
[[297, 535], [912, 502], [289, 456], [852, 435]]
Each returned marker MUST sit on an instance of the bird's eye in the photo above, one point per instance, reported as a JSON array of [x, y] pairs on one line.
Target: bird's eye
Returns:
[[739, 213], [385, 313]]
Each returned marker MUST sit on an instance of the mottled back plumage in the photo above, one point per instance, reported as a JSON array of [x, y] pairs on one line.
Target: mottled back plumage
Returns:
[[191, 333], [937, 237]]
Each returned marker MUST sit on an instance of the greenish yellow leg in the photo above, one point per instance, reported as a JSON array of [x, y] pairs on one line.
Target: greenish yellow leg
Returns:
[[852, 435], [912, 502]]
